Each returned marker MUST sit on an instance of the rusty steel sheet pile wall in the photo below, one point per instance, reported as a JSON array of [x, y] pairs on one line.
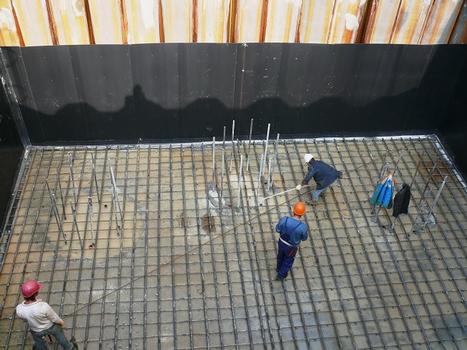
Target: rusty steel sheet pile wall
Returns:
[[74, 22], [125, 93]]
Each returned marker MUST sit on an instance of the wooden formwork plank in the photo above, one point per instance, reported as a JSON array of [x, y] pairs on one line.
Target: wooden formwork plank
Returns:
[[459, 33], [381, 21], [315, 21], [410, 21], [9, 35], [107, 21], [71, 25], [441, 21], [212, 21], [248, 22], [143, 21], [33, 19], [177, 20], [282, 20], [346, 21]]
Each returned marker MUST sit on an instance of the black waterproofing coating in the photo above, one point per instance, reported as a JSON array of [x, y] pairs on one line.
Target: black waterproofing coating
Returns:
[[401, 201]]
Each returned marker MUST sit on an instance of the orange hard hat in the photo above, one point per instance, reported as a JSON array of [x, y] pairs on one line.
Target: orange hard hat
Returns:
[[299, 208]]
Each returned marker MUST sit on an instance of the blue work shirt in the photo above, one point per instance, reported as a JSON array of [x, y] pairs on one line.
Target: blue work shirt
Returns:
[[322, 173], [292, 231]]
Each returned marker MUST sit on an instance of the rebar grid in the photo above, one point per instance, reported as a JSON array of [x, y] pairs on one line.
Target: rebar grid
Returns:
[[181, 273]]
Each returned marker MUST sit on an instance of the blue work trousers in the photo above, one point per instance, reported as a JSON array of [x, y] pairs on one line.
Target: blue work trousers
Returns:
[[285, 258], [57, 332]]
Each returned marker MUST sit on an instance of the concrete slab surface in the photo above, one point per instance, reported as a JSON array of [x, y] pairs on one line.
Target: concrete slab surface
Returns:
[[160, 265]]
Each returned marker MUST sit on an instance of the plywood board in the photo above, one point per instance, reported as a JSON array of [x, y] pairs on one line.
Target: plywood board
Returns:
[[346, 21], [441, 21], [178, 21], [8, 32], [381, 21], [70, 21], [107, 24], [315, 21], [212, 21], [142, 21], [282, 20], [410, 21], [248, 20], [34, 22]]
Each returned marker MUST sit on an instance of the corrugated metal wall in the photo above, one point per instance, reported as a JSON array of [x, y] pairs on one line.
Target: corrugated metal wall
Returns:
[[71, 22]]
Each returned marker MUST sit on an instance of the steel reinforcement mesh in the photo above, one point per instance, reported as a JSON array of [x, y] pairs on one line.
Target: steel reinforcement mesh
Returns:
[[159, 262]]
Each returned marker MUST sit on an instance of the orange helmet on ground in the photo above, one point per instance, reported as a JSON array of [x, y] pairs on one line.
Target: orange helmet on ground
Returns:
[[299, 208]]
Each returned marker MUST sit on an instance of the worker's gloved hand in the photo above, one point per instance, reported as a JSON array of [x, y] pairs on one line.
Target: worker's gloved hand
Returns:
[[298, 188], [304, 183]]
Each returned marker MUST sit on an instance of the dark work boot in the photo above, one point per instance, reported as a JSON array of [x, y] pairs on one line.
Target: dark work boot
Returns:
[[73, 341]]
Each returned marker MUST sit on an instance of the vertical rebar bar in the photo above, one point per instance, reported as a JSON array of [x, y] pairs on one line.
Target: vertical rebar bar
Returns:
[[415, 174], [75, 222], [222, 178], [274, 162], [249, 145], [265, 154], [270, 161], [72, 177], [259, 176], [214, 160], [438, 194], [91, 218], [116, 199], [239, 181], [232, 154], [94, 176], [61, 197], [55, 211]]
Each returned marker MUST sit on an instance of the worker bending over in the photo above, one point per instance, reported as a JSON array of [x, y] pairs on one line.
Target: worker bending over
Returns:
[[42, 319], [323, 174], [292, 232]]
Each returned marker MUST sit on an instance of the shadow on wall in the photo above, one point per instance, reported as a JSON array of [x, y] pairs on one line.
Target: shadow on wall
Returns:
[[140, 119]]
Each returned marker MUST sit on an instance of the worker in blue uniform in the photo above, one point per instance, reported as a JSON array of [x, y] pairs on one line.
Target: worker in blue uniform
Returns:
[[292, 231], [323, 174]]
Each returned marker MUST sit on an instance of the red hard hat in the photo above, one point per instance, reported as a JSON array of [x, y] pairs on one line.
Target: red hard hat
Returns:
[[29, 288], [299, 208]]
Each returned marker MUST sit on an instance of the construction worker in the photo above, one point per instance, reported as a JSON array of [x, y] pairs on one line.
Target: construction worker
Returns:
[[323, 174], [292, 232], [41, 318]]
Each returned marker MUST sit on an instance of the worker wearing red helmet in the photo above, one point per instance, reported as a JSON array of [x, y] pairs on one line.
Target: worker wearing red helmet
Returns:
[[41, 318], [292, 231]]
